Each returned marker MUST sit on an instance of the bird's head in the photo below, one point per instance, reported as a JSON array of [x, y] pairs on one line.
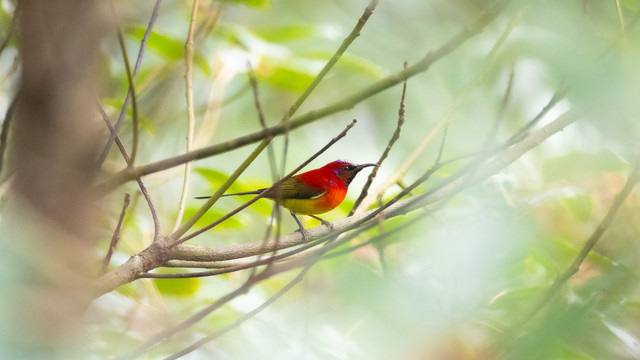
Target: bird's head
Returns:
[[346, 170]]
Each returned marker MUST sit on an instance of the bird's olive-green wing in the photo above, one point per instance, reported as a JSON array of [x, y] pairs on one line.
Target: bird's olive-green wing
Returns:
[[293, 188]]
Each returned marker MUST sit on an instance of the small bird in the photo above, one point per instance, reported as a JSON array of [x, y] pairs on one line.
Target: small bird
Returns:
[[312, 192]]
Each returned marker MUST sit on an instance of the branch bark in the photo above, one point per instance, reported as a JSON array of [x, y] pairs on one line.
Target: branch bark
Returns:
[[133, 269]]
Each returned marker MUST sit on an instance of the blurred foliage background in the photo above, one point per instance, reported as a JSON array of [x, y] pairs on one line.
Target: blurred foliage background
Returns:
[[449, 285]]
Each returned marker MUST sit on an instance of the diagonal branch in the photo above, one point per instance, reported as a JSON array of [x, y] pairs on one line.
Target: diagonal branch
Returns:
[[385, 153]]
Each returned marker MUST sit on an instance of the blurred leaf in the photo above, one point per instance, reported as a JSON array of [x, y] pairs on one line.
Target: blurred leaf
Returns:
[[165, 46], [217, 178], [283, 33], [351, 63], [176, 287], [554, 253], [262, 4], [580, 164], [144, 122], [633, 5], [515, 299], [580, 206], [169, 48], [211, 216], [288, 78]]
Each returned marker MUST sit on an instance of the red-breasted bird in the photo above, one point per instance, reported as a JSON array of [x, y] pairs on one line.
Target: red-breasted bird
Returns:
[[312, 192]]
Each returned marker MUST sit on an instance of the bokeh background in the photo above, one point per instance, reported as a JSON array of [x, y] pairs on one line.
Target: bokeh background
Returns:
[[445, 287]]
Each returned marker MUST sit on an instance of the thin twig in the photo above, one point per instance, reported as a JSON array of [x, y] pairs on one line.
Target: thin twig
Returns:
[[397, 176], [123, 110], [143, 189], [253, 280], [116, 235], [440, 190], [132, 91], [355, 32], [266, 138], [188, 77], [244, 317], [347, 103], [133, 268], [457, 182], [162, 335], [555, 98], [276, 213], [505, 99], [385, 153], [253, 83]]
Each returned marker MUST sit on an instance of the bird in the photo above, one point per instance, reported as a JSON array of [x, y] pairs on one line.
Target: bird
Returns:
[[313, 192]]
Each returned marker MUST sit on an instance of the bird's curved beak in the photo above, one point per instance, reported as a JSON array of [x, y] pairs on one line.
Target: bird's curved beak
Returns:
[[362, 166]]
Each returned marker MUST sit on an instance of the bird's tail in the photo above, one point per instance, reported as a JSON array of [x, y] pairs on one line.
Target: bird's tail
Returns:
[[255, 192]]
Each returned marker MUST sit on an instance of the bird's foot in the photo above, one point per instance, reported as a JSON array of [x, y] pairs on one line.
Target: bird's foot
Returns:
[[305, 234], [301, 229], [323, 221]]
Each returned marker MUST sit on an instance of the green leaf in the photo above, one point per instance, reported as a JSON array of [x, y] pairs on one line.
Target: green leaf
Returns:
[[350, 62], [169, 48], [580, 164], [261, 4], [214, 177], [513, 298], [144, 122], [217, 178], [211, 216], [165, 46], [580, 206], [283, 33], [289, 78], [177, 287]]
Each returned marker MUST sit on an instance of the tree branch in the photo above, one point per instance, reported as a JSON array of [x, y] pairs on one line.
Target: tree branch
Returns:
[[446, 187], [347, 103]]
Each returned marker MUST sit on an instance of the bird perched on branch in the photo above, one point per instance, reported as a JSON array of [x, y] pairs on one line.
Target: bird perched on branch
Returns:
[[312, 192]]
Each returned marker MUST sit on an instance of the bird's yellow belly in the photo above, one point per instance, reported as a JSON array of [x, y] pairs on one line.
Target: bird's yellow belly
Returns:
[[322, 204]]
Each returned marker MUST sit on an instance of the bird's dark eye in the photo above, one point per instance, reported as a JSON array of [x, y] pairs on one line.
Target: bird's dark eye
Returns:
[[345, 168]]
